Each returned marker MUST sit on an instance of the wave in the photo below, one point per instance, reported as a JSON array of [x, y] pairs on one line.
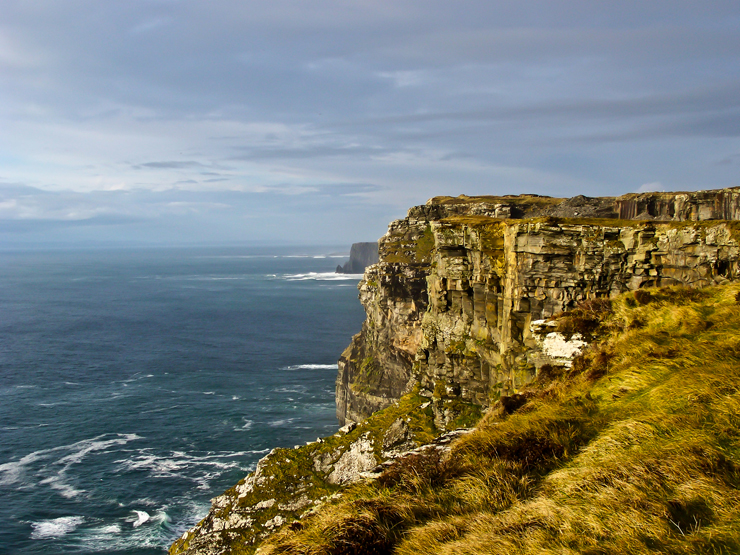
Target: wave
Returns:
[[141, 518], [321, 276], [311, 367], [55, 528], [282, 422], [293, 389], [54, 472], [133, 536], [200, 470]]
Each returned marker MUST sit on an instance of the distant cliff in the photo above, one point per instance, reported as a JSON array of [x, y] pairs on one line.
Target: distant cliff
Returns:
[[460, 281], [361, 255]]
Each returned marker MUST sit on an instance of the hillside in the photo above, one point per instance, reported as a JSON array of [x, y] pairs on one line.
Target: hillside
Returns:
[[636, 449], [594, 355]]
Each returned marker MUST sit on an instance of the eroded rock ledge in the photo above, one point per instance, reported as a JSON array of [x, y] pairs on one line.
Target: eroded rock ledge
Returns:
[[459, 281]]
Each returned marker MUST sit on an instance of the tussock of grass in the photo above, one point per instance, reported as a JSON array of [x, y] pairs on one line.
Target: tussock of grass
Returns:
[[637, 450]]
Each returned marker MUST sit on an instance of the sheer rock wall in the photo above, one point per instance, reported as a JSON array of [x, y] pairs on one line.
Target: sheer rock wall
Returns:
[[460, 281]]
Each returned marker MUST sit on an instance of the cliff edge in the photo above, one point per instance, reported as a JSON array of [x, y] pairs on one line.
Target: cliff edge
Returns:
[[460, 280]]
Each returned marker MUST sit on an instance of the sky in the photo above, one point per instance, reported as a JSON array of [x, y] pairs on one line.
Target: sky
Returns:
[[175, 122]]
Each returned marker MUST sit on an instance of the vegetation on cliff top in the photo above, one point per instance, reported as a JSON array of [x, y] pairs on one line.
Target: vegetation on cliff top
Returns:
[[635, 450]]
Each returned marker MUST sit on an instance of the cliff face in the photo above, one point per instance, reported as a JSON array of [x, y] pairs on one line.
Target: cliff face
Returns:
[[451, 303], [361, 255], [458, 311]]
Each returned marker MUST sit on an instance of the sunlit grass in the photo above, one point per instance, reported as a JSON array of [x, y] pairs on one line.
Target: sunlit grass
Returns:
[[637, 450]]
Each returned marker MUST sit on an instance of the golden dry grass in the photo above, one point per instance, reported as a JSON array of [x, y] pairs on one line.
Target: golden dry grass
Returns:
[[641, 456]]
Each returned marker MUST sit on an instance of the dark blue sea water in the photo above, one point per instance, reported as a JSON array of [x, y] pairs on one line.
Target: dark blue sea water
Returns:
[[135, 385]]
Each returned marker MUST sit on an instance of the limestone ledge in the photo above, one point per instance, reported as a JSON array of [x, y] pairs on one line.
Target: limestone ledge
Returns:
[[460, 281]]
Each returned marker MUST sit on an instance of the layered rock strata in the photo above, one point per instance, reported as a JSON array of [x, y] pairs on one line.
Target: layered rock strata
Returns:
[[460, 281]]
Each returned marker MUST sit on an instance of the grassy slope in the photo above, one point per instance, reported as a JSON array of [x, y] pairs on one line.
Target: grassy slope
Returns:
[[637, 450]]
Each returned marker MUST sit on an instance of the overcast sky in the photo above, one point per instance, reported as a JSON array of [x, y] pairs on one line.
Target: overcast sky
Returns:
[[319, 121]]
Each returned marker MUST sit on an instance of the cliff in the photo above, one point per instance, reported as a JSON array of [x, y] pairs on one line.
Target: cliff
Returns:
[[460, 281], [569, 326], [361, 255], [635, 449]]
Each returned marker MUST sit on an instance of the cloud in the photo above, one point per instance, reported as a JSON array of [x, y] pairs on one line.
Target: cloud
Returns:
[[212, 112], [653, 187], [170, 165]]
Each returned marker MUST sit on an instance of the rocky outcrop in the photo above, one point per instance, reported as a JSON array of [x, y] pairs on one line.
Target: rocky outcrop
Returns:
[[290, 484], [361, 255], [697, 206], [460, 281]]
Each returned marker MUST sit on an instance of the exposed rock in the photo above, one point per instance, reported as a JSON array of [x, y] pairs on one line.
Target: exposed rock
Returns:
[[397, 439], [361, 255], [555, 348], [359, 458], [460, 281], [459, 310]]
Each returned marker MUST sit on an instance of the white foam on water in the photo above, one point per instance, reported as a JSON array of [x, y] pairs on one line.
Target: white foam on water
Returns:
[[322, 276], [57, 483], [209, 393], [179, 464], [235, 398], [55, 528], [141, 518], [53, 472], [159, 410], [311, 367], [293, 389], [282, 422], [108, 538], [108, 529]]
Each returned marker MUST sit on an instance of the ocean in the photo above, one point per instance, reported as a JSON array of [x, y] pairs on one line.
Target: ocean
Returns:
[[135, 385]]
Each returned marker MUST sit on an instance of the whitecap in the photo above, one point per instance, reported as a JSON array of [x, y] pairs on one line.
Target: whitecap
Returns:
[[14, 471], [293, 389], [209, 393], [322, 276], [55, 528], [141, 518], [311, 367], [106, 530], [281, 422], [65, 490], [235, 398]]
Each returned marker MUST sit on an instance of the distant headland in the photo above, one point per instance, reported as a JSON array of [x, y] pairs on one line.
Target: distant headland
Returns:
[[361, 255]]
